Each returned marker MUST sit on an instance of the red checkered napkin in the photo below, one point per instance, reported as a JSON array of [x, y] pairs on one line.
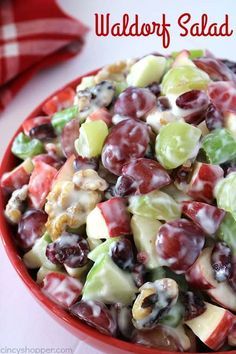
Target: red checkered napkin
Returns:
[[33, 34]]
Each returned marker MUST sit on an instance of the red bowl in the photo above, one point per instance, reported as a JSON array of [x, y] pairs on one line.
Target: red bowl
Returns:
[[73, 325]]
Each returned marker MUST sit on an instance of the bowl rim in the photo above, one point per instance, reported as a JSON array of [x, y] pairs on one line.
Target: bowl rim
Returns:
[[53, 309]]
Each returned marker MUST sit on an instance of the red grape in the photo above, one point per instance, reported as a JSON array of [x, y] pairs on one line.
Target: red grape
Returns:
[[221, 258], [69, 249], [215, 68], [128, 140], [31, 227], [194, 100], [134, 102], [146, 174], [214, 118], [69, 134], [230, 64], [96, 315], [125, 185], [180, 242]]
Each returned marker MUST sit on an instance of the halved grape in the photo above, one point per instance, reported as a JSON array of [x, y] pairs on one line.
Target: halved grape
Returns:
[[91, 138], [155, 205], [227, 232], [176, 143], [219, 146], [184, 78], [225, 192]]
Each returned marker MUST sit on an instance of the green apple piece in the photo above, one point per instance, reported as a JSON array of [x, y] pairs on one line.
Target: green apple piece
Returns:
[[79, 272], [93, 242], [184, 78], [146, 71], [219, 146], [91, 138], [86, 82], [227, 232], [107, 283], [144, 233], [174, 315], [178, 195], [36, 257], [102, 249], [176, 143], [43, 271], [155, 205], [225, 192], [120, 87]]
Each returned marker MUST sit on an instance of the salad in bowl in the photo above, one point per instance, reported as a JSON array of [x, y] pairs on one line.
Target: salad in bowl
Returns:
[[122, 202]]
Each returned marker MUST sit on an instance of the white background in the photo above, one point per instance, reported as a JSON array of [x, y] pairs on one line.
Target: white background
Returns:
[[22, 321]]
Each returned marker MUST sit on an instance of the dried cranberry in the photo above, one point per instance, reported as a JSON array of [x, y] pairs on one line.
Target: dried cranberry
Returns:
[[83, 163], [69, 249], [214, 118], [163, 104], [43, 132], [193, 305], [221, 259], [155, 88], [122, 254], [138, 273]]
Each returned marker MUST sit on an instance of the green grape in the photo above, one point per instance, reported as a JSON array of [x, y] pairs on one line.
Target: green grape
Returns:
[[184, 78], [146, 71], [23, 146], [219, 146], [193, 53], [155, 205], [227, 232], [91, 138], [60, 119], [225, 192], [176, 143], [156, 274]]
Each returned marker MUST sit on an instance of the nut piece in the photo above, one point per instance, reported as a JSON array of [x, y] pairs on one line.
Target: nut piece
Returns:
[[68, 206], [89, 180], [13, 208], [154, 301], [115, 72], [90, 99]]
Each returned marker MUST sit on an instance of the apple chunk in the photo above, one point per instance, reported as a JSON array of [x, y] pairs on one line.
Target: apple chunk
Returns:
[[108, 219], [18, 177], [203, 181], [212, 327]]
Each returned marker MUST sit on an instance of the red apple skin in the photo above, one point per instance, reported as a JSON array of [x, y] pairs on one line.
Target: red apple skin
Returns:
[[67, 171], [220, 333], [232, 334], [61, 100], [207, 217], [16, 178], [195, 275], [101, 114], [204, 179], [116, 216]]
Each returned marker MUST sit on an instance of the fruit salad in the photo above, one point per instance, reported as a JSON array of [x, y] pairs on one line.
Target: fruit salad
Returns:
[[123, 201]]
